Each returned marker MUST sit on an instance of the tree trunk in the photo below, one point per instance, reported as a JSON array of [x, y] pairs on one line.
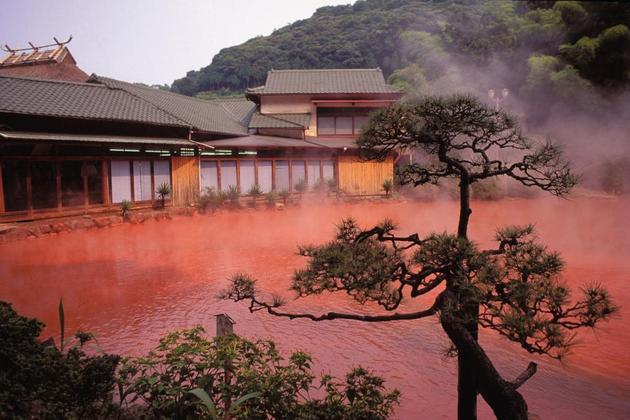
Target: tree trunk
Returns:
[[466, 380], [506, 402]]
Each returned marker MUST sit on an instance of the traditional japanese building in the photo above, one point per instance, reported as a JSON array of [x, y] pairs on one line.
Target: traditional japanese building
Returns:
[[70, 147]]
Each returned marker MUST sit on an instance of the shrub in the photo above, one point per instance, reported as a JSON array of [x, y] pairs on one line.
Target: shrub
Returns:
[[211, 199], [229, 368], [320, 185], [388, 186], [271, 197], [163, 191], [488, 189], [284, 195], [301, 186], [125, 207], [39, 381], [254, 192], [331, 185], [233, 195]]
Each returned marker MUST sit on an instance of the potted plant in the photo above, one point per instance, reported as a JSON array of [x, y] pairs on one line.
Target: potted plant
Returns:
[[163, 191]]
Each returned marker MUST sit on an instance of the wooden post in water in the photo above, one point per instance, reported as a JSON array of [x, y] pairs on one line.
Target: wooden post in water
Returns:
[[225, 326]]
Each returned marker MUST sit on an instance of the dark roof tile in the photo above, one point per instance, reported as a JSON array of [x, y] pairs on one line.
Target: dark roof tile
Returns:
[[324, 81], [78, 100], [280, 120], [206, 116]]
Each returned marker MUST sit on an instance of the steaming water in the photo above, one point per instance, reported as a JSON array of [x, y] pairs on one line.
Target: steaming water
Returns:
[[130, 284]]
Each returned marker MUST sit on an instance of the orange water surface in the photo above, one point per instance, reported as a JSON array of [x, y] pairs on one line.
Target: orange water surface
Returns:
[[130, 284]]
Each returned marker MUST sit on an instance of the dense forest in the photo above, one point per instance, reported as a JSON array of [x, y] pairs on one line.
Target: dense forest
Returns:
[[436, 45]]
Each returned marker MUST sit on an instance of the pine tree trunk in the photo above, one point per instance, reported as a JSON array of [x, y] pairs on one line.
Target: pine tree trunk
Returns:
[[506, 402], [466, 380]]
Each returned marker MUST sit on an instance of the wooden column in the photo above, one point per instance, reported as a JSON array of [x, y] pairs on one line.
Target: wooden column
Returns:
[[29, 188], [105, 183], [1, 190], [58, 179], [85, 192], [152, 181]]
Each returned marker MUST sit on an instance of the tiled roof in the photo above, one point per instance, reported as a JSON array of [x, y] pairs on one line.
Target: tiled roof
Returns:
[[78, 100], [324, 81], [241, 109], [206, 116], [280, 120]]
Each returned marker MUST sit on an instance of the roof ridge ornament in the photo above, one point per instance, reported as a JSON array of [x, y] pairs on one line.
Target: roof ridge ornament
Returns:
[[35, 48]]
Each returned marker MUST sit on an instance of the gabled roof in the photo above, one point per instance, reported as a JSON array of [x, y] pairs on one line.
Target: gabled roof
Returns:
[[206, 116], [280, 120], [56, 64], [56, 98], [324, 81]]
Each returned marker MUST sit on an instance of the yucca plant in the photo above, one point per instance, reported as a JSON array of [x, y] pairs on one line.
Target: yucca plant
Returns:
[[125, 208], [284, 195], [254, 192], [301, 186], [233, 195], [388, 186], [271, 197], [163, 191]]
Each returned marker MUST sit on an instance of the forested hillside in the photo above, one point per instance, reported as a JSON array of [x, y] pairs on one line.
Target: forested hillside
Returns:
[[425, 46]]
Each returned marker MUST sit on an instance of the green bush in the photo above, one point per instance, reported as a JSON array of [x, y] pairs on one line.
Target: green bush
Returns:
[[125, 207], [185, 361], [211, 199], [233, 195], [488, 189], [254, 192], [388, 186], [271, 197], [39, 381], [284, 195], [301, 186]]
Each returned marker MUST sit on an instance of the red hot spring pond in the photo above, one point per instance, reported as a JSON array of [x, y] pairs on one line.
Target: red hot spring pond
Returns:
[[130, 284]]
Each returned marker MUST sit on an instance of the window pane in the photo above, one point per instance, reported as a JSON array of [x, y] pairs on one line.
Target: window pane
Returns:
[[142, 180], [328, 166], [359, 122], [248, 175], [161, 173], [93, 169], [264, 175], [14, 184], [325, 125], [299, 171], [121, 181], [228, 174], [344, 125], [71, 183], [313, 172], [44, 184], [209, 177], [282, 175]]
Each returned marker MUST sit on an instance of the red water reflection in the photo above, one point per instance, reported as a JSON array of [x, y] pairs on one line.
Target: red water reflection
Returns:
[[132, 283]]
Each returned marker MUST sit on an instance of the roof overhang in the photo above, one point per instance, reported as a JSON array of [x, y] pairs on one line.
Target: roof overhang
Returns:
[[368, 103], [89, 138], [263, 142]]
